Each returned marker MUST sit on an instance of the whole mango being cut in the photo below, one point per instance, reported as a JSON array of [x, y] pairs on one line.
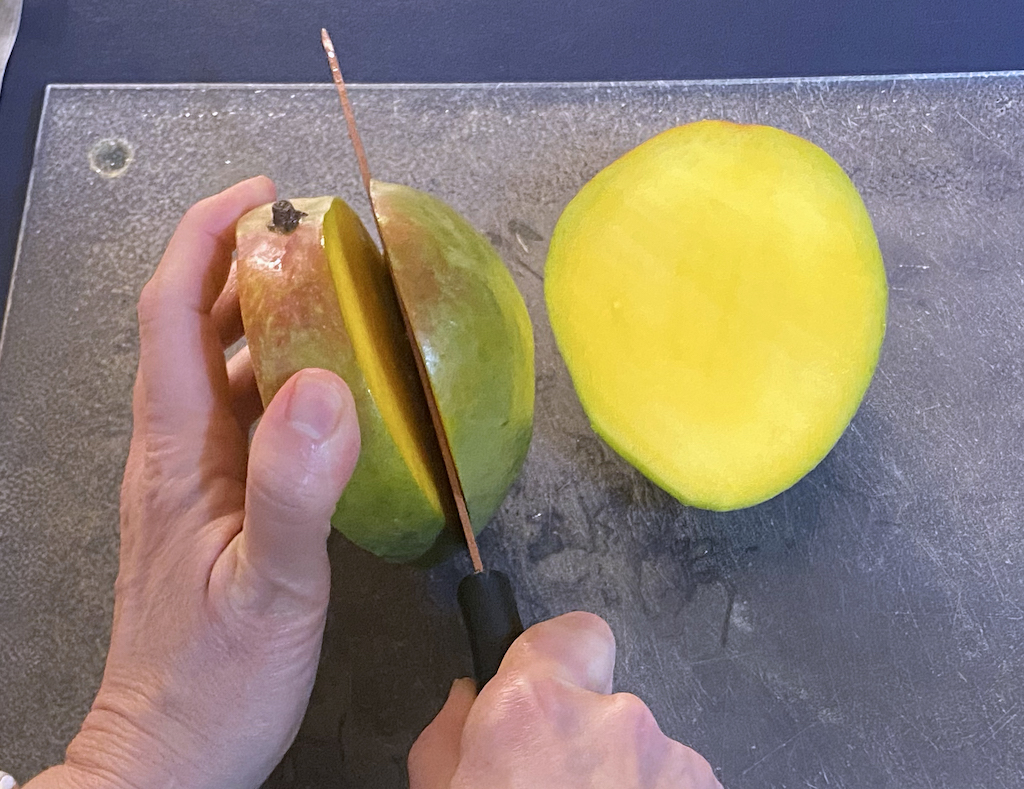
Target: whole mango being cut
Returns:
[[719, 298], [316, 292]]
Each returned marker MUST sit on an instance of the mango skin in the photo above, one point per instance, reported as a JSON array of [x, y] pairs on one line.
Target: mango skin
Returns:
[[719, 298], [476, 338], [293, 321], [471, 325]]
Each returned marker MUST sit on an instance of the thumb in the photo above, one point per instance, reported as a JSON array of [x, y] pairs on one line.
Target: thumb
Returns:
[[302, 455], [435, 754]]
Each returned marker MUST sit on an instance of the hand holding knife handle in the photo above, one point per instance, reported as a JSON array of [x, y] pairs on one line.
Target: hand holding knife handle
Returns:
[[492, 620]]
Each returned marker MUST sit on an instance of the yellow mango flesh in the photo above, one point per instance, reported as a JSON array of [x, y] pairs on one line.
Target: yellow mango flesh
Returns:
[[719, 298], [383, 353]]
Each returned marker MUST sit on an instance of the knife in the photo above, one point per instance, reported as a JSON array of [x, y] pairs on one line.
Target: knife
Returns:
[[10, 20], [486, 598]]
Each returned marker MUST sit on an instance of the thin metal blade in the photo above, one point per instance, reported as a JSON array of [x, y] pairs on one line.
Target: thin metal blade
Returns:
[[10, 20], [421, 367]]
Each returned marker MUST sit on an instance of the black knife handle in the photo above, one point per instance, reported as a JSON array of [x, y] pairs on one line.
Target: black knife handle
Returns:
[[492, 620]]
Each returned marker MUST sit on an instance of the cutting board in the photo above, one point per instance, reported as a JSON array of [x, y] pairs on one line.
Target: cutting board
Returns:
[[865, 628]]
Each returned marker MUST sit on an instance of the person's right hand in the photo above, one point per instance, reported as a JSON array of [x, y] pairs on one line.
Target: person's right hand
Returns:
[[548, 720]]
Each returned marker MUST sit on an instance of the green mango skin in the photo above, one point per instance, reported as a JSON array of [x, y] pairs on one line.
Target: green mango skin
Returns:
[[293, 321], [472, 328], [474, 333]]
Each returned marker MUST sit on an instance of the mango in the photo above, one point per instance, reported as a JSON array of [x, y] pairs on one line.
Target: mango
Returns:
[[316, 292], [719, 298]]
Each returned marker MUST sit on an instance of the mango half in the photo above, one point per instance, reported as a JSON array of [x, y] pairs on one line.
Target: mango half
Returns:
[[316, 292], [719, 298]]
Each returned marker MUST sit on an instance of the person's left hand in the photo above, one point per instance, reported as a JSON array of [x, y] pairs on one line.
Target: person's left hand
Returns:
[[224, 579]]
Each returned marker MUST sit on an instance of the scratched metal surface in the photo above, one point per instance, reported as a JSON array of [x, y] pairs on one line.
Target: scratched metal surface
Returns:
[[865, 628]]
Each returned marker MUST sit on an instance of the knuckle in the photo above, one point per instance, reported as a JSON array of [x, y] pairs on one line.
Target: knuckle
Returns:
[[419, 754], [632, 713], [291, 491], [522, 650], [283, 492], [512, 701], [197, 213], [696, 770], [157, 301], [288, 476], [149, 301], [516, 687], [580, 644], [595, 625]]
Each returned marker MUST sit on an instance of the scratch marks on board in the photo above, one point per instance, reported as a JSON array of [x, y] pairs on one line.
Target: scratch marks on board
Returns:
[[525, 240], [982, 134], [781, 747], [1001, 724]]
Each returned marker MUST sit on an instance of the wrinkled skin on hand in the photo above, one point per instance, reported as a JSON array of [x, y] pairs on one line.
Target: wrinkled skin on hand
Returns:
[[224, 579], [548, 720]]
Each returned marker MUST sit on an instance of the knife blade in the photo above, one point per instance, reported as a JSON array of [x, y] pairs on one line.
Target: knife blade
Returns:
[[485, 597], [10, 21]]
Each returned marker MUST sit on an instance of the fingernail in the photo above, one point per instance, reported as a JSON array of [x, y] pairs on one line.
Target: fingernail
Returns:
[[7, 781], [464, 684], [316, 406]]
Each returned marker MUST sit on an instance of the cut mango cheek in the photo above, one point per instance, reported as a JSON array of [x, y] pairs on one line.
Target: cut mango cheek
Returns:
[[382, 349], [719, 299]]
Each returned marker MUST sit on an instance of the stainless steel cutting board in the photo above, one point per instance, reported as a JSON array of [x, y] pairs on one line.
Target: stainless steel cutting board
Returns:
[[865, 628]]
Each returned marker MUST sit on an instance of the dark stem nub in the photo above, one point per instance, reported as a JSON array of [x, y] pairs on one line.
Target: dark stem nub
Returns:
[[286, 217]]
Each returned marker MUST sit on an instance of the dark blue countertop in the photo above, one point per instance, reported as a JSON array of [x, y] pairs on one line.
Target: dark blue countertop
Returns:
[[72, 41]]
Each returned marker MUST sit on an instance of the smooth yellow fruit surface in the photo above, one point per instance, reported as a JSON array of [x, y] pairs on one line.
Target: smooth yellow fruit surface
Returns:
[[374, 324], [719, 298]]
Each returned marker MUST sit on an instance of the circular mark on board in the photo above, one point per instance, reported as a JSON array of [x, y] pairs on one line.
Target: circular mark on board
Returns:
[[110, 158]]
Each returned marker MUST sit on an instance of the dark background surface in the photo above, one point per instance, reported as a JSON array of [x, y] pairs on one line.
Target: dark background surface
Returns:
[[477, 41]]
